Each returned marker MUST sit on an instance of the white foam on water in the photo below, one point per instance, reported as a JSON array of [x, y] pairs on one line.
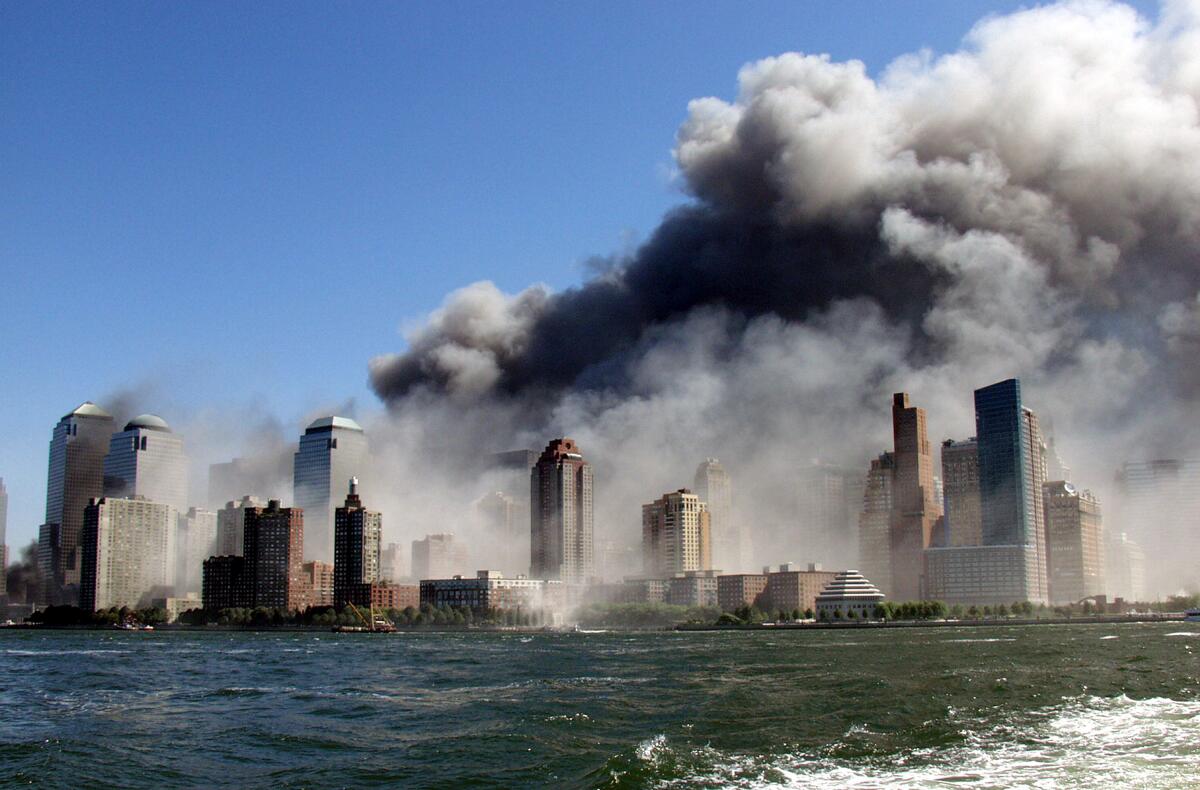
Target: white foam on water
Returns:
[[1110, 636], [1184, 633], [1088, 743]]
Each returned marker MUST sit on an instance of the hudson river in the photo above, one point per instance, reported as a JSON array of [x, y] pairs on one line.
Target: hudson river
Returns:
[[1034, 706]]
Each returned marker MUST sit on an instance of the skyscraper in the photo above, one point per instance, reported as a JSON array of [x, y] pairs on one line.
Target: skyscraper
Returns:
[[274, 554], [438, 557], [676, 535], [332, 450], [914, 499], [356, 547], [1075, 543], [505, 534], [730, 538], [1010, 565], [875, 523], [76, 476], [127, 549], [1125, 569], [828, 500], [146, 459], [1160, 508], [195, 541], [561, 514], [960, 486]]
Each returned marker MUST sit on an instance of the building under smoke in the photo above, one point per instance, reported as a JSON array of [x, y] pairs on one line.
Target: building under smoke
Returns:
[[915, 508], [332, 450], [1075, 543], [195, 541], [146, 459], [127, 552], [1160, 509], [731, 548], [561, 536], [960, 488], [76, 475], [439, 556], [676, 535], [875, 522], [828, 501]]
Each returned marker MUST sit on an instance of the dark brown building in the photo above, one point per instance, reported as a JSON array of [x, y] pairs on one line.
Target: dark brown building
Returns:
[[561, 514], [356, 536], [740, 589], [225, 584], [274, 552]]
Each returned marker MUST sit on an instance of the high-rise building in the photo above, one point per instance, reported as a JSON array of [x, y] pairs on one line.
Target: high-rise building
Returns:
[[505, 532], [439, 557], [1010, 565], [195, 541], [828, 499], [3, 539], [356, 548], [676, 535], [1075, 543], [875, 522], [915, 508], [274, 552], [1159, 509], [1125, 569], [332, 450], [960, 486], [76, 476], [268, 473], [231, 525], [561, 514], [147, 460], [391, 563], [730, 537], [127, 552]]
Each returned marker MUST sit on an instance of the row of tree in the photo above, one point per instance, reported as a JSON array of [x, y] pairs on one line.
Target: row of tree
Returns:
[[425, 615], [73, 615]]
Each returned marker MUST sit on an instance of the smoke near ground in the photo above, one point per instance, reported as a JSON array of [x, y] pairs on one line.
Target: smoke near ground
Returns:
[[1027, 206]]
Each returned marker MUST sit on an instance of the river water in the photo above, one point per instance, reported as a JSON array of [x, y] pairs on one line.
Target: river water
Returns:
[[1034, 706]]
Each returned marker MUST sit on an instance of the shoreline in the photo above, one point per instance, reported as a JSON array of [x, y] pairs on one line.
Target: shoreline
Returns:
[[1114, 619]]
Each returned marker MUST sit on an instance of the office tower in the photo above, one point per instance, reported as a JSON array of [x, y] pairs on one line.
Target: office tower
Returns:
[[875, 522], [438, 557], [505, 530], [730, 537], [914, 505], [127, 549], [828, 499], [76, 476], [268, 473], [1125, 569], [676, 535], [1055, 468], [147, 460], [332, 450], [960, 486], [1010, 565], [1075, 543], [3, 540], [274, 551], [231, 526], [356, 537], [561, 514], [1160, 509], [391, 563], [195, 541]]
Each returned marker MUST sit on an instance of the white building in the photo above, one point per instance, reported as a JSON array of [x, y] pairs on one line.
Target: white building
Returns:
[[332, 450], [849, 592], [128, 548], [730, 537], [231, 526], [195, 541]]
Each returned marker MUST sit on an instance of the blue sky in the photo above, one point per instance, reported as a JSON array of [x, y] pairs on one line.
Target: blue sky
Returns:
[[241, 203]]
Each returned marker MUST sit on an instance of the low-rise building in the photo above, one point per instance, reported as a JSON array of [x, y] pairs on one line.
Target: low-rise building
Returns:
[[489, 590], [175, 606], [318, 582], [386, 595], [740, 589], [693, 588], [790, 589], [848, 596], [639, 590], [980, 575]]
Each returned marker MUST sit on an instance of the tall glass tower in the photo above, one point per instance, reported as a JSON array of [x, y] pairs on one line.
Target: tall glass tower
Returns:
[[75, 476], [332, 450], [147, 460]]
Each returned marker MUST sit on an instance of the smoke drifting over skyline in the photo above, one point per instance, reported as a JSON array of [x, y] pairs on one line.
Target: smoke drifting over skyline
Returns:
[[1027, 206]]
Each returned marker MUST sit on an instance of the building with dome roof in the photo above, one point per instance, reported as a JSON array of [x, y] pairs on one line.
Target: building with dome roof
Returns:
[[75, 475], [147, 460], [849, 592], [332, 450]]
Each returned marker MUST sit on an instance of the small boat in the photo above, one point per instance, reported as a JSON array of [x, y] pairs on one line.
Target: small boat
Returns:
[[1192, 615]]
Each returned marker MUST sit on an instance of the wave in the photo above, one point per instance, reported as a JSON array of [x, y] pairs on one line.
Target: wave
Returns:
[[1136, 743]]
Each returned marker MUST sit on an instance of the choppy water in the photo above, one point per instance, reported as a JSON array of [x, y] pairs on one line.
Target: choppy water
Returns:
[[1075, 706]]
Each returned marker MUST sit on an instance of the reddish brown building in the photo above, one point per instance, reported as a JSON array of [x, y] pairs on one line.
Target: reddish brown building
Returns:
[[318, 580], [274, 550], [740, 589], [915, 508], [789, 589], [385, 595]]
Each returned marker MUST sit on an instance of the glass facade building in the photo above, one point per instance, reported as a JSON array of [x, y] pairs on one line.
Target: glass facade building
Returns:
[[332, 450], [147, 460], [75, 477]]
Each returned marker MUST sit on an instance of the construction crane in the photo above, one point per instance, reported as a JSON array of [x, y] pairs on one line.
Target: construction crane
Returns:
[[372, 623]]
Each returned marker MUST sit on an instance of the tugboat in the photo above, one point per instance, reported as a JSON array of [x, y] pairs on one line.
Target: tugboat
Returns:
[[374, 624]]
